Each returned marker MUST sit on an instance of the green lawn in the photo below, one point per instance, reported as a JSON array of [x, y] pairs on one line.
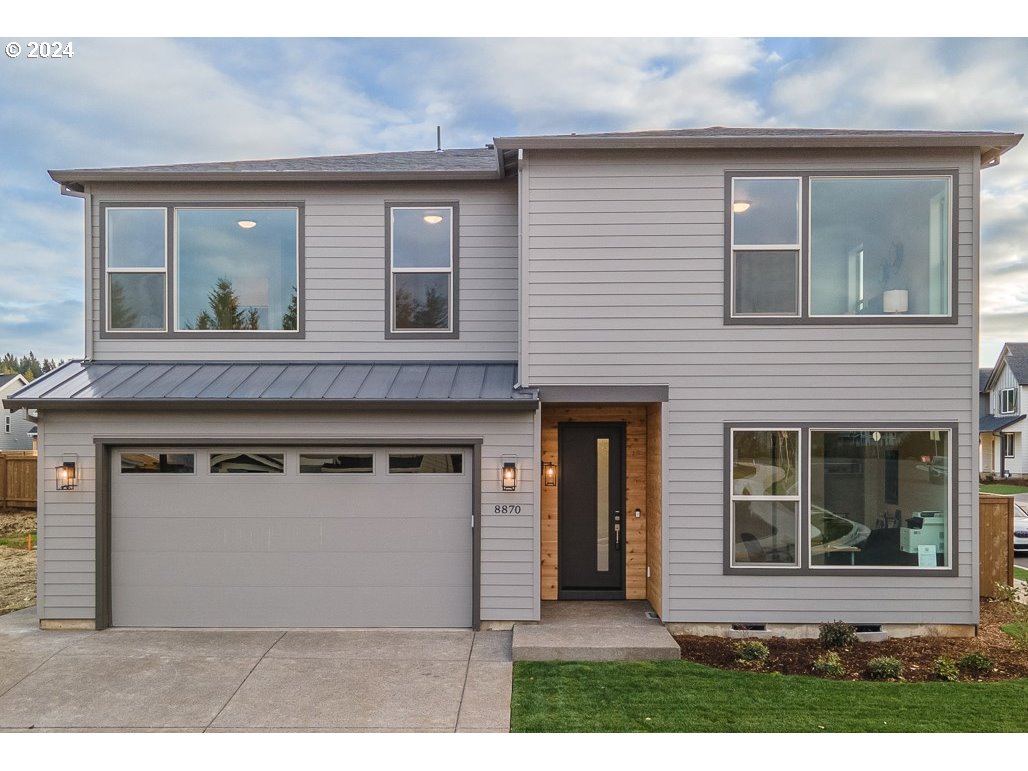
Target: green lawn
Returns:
[[1020, 573], [1003, 489], [18, 541], [679, 696]]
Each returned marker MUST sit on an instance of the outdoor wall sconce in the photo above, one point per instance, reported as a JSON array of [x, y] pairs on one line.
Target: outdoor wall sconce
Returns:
[[509, 476], [550, 474], [67, 478]]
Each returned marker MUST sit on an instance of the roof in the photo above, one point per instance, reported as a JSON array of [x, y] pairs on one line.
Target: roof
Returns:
[[6, 378], [983, 379], [989, 423], [992, 143], [245, 385], [1015, 357], [476, 163]]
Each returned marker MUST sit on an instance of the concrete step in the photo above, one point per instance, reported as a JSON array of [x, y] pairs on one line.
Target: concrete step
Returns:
[[591, 642]]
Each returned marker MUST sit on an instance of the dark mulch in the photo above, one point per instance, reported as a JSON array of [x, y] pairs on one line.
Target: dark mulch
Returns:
[[918, 654]]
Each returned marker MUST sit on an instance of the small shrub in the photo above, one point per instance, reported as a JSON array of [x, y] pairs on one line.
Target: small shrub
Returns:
[[975, 663], [829, 665], [751, 651], [837, 634], [946, 669], [1005, 593], [884, 668]]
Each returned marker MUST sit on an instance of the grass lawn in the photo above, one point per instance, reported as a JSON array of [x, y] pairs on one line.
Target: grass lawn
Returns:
[[679, 696], [1021, 573], [18, 541], [1003, 489]]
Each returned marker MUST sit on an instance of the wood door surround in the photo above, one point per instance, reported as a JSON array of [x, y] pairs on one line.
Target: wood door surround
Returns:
[[642, 491]]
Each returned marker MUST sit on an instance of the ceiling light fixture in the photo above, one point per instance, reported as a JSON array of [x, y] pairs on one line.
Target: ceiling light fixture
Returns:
[[432, 219], [740, 206], [246, 224]]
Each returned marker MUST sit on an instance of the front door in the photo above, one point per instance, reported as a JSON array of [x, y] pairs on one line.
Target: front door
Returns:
[[590, 511]]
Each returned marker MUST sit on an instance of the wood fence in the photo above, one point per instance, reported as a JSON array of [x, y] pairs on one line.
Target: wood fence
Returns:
[[996, 542], [18, 480]]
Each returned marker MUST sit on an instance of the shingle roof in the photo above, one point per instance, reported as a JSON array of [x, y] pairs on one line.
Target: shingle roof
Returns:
[[989, 423], [5, 378], [1017, 361], [227, 385], [475, 163], [983, 378]]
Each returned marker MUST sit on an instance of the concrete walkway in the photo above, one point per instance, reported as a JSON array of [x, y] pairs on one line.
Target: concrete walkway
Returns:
[[618, 630], [252, 680]]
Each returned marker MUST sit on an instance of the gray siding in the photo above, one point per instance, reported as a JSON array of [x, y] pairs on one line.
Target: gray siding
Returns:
[[18, 438], [510, 552], [624, 284], [345, 272]]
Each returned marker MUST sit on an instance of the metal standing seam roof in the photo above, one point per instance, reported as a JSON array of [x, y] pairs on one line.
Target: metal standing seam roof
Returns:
[[241, 385]]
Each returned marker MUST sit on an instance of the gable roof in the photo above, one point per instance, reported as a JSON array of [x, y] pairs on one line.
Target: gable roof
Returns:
[[476, 163], [7, 380], [248, 384], [983, 378], [1015, 357], [991, 143]]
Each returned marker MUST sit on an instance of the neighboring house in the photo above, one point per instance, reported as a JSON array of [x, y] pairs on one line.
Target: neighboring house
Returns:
[[1002, 425], [14, 423], [728, 371]]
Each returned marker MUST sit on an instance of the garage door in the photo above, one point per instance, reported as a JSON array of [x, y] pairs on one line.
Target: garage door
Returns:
[[286, 537]]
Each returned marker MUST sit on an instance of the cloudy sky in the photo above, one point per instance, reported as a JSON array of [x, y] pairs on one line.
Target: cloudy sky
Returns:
[[129, 101]]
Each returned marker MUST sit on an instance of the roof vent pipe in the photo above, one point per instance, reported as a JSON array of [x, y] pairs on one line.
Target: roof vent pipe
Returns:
[[438, 139]]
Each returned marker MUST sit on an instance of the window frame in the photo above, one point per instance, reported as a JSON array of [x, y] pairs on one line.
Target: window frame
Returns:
[[1008, 438], [118, 468], [7, 424], [1003, 399], [170, 330], [804, 316], [805, 566], [453, 331]]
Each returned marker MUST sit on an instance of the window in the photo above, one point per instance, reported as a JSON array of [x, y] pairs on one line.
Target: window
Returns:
[[765, 497], [421, 254], [136, 261], [426, 463], [874, 498], [346, 463], [7, 424], [868, 247], [1008, 401], [157, 463], [1008, 445], [232, 269], [230, 462]]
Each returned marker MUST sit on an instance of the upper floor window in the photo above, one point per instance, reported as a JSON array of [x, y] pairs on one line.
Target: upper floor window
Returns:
[[421, 254], [223, 270], [7, 424], [1008, 401], [841, 248]]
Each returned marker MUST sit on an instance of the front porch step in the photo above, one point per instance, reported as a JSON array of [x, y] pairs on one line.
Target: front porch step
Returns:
[[594, 631]]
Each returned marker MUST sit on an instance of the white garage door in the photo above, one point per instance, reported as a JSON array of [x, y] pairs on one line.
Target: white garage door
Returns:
[[285, 537]]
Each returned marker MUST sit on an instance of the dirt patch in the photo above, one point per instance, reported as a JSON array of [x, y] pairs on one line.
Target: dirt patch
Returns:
[[918, 654], [17, 566]]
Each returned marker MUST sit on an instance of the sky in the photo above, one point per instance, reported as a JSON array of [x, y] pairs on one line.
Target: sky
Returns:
[[132, 101]]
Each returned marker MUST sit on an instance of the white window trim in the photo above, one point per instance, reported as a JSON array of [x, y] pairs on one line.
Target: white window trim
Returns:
[[7, 424], [733, 498], [1009, 438], [109, 271], [1003, 395], [796, 247], [394, 270]]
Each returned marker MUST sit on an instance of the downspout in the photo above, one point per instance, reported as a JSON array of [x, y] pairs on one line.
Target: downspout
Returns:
[[79, 191]]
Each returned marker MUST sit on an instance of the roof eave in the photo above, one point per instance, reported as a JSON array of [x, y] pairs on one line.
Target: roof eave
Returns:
[[529, 402], [75, 178]]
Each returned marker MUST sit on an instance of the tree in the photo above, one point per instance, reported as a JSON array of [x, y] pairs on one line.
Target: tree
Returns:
[[122, 315], [289, 318], [28, 366], [224, 310]]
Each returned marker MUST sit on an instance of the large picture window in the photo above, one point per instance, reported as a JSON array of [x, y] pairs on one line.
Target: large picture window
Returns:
[[422, 269], [856, 499], [224, 270], [871, 247]]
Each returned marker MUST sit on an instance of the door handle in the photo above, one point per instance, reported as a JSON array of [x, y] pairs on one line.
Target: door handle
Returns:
[[617, 530]]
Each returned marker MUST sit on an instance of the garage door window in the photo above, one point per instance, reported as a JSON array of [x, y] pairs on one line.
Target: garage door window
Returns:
[[426, 463], [157, 463], [247, 462], [346, 463]]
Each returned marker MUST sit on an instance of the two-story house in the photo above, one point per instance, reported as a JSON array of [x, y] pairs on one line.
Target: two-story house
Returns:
[[14, 424], [728, 371], [1002, 426]]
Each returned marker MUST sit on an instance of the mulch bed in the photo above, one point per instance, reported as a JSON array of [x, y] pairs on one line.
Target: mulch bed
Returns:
[[918, 654]]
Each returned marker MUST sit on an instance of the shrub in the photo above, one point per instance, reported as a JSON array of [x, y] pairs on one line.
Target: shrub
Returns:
[[975, 663], [1005, 593], [884, 668], [751, 651], [829, 665], [946, 669], [837, 634]]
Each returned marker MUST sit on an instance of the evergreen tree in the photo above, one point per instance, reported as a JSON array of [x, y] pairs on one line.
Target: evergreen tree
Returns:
[[224, 310], [122, 316], [289, 320]]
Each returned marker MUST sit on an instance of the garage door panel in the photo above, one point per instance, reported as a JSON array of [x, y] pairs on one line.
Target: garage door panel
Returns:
[[324, 550], [280, 607], [224, 534]]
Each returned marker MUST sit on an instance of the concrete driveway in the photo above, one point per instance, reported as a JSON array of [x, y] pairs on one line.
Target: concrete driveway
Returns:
[[242, 680]]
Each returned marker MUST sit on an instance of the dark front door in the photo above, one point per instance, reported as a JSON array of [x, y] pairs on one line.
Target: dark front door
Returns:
[[590, 515]]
